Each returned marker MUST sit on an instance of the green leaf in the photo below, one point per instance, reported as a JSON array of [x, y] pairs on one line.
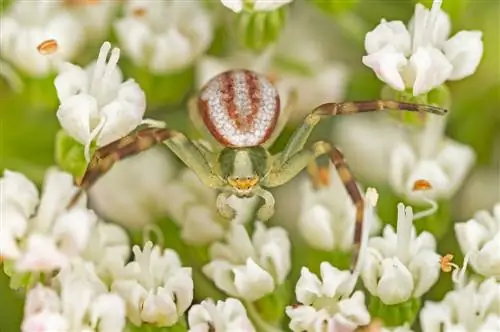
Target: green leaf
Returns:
[[70, 155], [272, 306]]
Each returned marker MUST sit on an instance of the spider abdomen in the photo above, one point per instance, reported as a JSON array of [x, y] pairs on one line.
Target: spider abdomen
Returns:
[[240, 108]]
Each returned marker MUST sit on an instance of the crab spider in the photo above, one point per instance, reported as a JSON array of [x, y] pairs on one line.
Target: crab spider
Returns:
[[239, 109]]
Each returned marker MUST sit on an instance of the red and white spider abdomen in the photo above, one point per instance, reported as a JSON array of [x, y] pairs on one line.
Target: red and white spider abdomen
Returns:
[[239, 107]]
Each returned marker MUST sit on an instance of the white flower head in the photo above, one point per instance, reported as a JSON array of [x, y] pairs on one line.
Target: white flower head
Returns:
[[156, 288], [443, 163], [327, 303], [26, 26], [95, 103], [193, 206], [224, 316], [81, 303], [250, 268], [143, 194], [475, 307], [479, 238], [257, 5], [164, 36], [327, 216], [401, 265], [40, 235], [422, 57]]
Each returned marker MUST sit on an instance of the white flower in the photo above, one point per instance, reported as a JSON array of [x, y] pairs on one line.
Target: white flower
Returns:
[[224, 316], [327, 303], [475, 307], [25, 25], [192, 205], [142, 194], [95, 104], [156, 288], [401, 265], [479, 238], [40, 235], [95, 16], [250, 268], [422, 57], [82, 303], [327, 216], [164, 36], [440, 161], [258, 5]]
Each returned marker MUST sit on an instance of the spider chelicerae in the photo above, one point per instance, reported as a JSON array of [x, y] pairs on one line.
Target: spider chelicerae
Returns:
[[238, 110]]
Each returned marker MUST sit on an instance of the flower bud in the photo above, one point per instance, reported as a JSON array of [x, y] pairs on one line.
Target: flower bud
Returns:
[[259, 29]]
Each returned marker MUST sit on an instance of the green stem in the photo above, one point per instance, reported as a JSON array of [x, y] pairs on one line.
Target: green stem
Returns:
[[260, 324]]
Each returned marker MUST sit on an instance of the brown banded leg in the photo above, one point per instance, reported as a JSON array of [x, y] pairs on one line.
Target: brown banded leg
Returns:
[[105, 157], [352, 189], [302, 159], [301, 135]]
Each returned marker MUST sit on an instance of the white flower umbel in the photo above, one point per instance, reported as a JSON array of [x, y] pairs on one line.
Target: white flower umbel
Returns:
[[327, 215], [96, 106], [479, 239], [142, 182], [164, 36], [39, 235], [25, 25], [250, 268], [474, 307], [156, 288], [422, 57], [192, 205], [326, 304], [442, 162], [80, 302], [401, 265], [95, 16], [237, 6], [330, 303], [224, 316]]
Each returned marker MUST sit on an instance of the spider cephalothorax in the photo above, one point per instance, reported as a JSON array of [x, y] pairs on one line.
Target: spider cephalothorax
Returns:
[[239, 110]]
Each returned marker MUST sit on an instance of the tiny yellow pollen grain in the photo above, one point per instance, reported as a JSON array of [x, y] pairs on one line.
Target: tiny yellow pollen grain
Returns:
[[445, 263], [421, 185], [47, 47]]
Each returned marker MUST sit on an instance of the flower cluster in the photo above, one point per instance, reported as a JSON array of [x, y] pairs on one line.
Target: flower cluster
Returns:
[[334, 257]]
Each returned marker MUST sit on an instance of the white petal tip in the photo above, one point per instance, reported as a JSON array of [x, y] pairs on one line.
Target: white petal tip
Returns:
[[372, 196]]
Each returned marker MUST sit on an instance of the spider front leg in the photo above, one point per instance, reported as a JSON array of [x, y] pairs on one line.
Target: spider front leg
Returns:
[[105, 157], [291, 167], [300, 137]]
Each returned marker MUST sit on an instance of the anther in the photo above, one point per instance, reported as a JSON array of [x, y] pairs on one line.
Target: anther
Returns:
[[47, 47], [446, 263], [139, 12], [421, 185]]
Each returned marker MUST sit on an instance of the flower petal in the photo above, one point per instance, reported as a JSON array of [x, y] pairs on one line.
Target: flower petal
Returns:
[[425, 269], [402, 161], [308, 287], [314, 226], [135, 38], [19, 190], [221, 273], [252, 281], [41, 298], [471, 235], [464, 50], [123, 114], [235, 5], [428, 27], [387, 64], [396, 282], [108, 310], [392, 33], [354, 309], [44, 321], [77, 114], [302, 317], [41, 255], [487, 261], [430, 68], [332, 279]]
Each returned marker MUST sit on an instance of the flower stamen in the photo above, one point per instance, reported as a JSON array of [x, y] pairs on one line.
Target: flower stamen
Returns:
[[422, 185], [458, 273], [47, 47], [139, 12], [92, 136]]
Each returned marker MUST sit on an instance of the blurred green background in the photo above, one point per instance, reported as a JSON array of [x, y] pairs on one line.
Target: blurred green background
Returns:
[[28, 123]]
